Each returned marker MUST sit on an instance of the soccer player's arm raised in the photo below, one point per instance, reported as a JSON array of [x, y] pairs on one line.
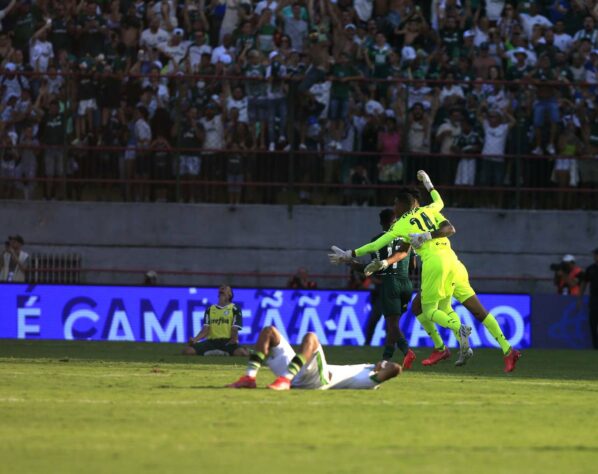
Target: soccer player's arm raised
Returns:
[[445, 228], [437, 203], [340, 255]]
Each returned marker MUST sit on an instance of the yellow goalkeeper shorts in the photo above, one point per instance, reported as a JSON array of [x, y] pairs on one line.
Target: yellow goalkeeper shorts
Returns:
[[443, 276], [462, 289]]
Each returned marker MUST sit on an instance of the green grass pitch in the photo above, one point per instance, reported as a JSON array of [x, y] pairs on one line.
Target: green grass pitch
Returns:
[[122, 407]]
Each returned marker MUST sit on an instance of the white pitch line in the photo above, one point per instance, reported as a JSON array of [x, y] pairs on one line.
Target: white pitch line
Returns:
[[90, 401], [93, 375]]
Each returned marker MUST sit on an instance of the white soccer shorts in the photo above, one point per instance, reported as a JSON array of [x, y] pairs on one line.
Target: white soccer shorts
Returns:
[[313, 375]]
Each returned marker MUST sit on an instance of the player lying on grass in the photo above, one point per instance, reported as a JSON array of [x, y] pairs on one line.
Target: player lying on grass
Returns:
[[462, 291], [395, 290], [220, 329], [308, 367], [439, 262]]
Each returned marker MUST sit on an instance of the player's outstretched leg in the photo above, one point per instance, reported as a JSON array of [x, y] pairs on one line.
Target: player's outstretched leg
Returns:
[[440, 352], [309, 346], [465, 352], [437, 287], [394, 336], [434, 314], [269, 337], [511, 356]]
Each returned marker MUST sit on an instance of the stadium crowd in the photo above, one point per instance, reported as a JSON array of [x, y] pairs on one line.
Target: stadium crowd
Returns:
[[229, 82]]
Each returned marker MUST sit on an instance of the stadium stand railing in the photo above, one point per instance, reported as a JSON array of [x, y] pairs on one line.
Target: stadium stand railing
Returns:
[[317, 169], [55, 268]]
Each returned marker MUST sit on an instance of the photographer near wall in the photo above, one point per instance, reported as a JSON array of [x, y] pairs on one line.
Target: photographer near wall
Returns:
[[567, 276], [14, 262]]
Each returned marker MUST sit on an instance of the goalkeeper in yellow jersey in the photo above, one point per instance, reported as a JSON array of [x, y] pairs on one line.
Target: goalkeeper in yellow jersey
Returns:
[[427, 231], [462, 291], [466, 296]]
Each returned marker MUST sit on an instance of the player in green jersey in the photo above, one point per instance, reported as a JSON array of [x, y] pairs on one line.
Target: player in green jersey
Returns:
[[395, 290], [464, 293], [220, 329]]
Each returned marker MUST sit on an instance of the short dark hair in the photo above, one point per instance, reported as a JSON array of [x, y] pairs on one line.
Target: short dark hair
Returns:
[[408, 196], [232, 295], [386, 216], [143, 111]]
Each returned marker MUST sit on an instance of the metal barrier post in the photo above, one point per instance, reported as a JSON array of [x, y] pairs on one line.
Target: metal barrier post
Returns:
[[291, 96], [177, 155], [405, 137], [518, 174]]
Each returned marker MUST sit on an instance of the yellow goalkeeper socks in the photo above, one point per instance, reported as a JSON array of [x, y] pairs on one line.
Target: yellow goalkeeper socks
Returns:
[[430, 328], [491, 324], [435, 315]]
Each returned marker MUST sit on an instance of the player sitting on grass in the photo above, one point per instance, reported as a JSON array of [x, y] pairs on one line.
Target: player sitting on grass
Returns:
[[308, 368], [462, 291], [221, 326]]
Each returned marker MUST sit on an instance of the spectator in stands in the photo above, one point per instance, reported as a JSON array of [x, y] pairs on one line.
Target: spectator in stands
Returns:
[[190, 137], [419, 133], [8, 163], [590, 278], [294, 26], [301, 281], [213, 130], [277, 102], [567, 276], [14, 261], [343, 72], [12, 84], [26, 167], [390, 166], [256, 91], [588, 32], [287, 46], [570, 146], [240, 144], [150, 278], [545, 105], [154, 36], [143, 139], [496, 125], [446, 134], [4, 12], [52, 134], [87, 90], [469, 142]]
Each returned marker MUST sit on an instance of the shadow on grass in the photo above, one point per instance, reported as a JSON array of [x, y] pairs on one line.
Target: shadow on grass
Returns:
[[535, 363]]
